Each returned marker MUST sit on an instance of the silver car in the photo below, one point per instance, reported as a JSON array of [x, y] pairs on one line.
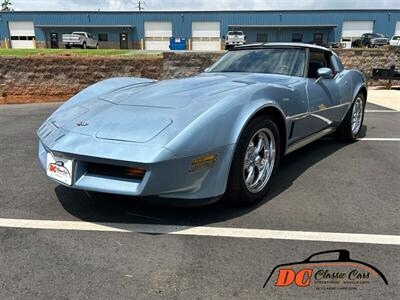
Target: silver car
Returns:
[[220, 133]]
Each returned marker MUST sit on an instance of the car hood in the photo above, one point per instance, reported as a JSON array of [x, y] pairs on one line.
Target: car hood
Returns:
[[139, 113]]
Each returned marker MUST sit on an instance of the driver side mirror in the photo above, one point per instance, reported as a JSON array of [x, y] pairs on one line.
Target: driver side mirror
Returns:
[[324, 73]]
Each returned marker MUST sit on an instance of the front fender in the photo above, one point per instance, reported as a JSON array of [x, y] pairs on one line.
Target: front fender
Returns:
[[217, 132], [220, 125], [250, 111]]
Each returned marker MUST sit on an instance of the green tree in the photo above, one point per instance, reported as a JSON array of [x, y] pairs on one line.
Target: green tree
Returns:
[[6, 5]]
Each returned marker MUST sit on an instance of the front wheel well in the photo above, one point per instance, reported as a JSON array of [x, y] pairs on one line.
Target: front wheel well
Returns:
[[280, 122]]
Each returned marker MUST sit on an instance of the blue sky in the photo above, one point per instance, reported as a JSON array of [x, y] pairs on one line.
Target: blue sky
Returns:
[[200, 4]]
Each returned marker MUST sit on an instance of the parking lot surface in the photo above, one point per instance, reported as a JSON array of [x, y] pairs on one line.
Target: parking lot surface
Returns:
[[325, 187]]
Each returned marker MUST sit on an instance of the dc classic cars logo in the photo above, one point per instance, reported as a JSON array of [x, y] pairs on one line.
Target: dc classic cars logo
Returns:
[[341, 273]]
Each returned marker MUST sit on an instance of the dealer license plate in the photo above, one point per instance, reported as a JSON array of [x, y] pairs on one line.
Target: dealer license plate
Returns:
[[59, 168]]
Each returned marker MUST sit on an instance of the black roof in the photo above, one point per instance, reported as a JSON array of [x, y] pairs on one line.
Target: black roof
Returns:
[[277, 45]]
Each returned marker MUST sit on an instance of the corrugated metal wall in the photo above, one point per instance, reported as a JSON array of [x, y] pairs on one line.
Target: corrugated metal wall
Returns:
[[277, 35], [384, 21]]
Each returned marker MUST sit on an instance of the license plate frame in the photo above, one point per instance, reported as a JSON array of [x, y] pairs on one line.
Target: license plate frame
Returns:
[[60, 168]]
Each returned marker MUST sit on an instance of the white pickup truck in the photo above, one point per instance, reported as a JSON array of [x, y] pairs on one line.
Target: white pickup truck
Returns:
[[234, 38], [395, 41], [80, 39]]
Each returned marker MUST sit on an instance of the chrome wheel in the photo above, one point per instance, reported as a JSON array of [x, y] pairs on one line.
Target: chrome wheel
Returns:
[[259, 160], [357, 115]]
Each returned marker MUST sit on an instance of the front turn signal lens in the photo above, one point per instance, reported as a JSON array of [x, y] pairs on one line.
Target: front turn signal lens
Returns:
[[135, 172], [203, 162]]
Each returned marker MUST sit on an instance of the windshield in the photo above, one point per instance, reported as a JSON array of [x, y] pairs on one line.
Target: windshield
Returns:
[[396, 38], [79, 33], [375, 35], [274, 61], [235, 33]]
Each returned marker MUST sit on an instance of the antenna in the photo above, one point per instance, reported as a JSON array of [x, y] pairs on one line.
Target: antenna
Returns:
[[140, 5]]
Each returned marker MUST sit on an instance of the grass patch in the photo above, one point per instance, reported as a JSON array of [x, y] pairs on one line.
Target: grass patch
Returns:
[[79, 52]]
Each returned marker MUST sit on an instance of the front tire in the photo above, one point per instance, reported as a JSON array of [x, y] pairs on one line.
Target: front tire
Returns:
[[351, 126], [84, 46], [255, 160]]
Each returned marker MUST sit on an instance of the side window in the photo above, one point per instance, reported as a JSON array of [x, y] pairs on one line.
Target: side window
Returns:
[[318, 59]]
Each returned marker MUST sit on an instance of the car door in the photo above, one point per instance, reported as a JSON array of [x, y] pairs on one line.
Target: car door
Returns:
[[327, 98], [90, 41], [95, 41]]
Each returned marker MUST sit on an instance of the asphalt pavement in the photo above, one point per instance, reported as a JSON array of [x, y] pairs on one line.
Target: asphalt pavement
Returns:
[[325, 187]]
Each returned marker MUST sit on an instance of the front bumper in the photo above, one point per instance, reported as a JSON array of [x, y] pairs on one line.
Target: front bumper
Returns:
[[73, 43], [235, 43], [166, 175], [379, 42]]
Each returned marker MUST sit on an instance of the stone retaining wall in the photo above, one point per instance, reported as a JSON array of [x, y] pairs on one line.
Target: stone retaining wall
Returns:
[[184, 64], [54, 77], [44, 77], [367, 59]]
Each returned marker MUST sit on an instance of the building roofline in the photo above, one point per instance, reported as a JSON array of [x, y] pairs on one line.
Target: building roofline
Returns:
[[84, 26], [200, 11], [285, 26]]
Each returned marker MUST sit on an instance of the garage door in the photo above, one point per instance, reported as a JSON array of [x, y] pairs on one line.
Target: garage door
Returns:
[[206, 36], [397, 28], [22, 34], [157, 35], [354, 29]]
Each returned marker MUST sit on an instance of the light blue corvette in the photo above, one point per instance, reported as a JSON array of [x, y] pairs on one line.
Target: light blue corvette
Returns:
[[196, 139]]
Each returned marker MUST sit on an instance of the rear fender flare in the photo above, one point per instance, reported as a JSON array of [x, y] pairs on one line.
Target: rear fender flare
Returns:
[[360, 88]]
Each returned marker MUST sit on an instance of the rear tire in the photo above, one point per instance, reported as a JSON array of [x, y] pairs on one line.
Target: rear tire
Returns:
[[352, 123], [251, 160]]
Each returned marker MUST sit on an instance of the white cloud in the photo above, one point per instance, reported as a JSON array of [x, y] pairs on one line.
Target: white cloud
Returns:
[[201, 4]]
